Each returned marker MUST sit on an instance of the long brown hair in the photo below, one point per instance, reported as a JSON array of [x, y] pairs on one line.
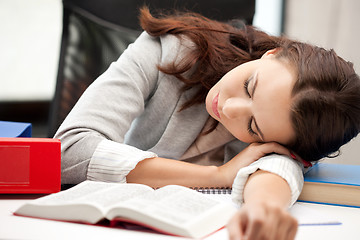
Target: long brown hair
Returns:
[[326, 96]]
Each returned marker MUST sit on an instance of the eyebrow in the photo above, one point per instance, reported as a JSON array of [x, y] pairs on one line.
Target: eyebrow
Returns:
[[255, 78]]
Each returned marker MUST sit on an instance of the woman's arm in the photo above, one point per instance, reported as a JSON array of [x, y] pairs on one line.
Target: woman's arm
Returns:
[[108, 107], [264, 214], [157, 172], [267, 195]]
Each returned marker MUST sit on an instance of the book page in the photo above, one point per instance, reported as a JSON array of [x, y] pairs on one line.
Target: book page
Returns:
[[173, 203], [97, 193], [86, 202]]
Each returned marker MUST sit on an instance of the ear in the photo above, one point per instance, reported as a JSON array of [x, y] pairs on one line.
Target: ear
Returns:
[[270, 53]]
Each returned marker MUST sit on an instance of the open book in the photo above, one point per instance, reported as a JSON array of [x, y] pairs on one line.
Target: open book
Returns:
[[171, 209]]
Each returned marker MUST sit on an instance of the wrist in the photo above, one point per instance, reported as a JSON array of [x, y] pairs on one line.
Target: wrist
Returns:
[[266, 188], [222, 177]]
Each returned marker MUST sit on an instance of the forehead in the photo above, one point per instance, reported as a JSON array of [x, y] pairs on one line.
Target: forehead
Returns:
[[272, 100]]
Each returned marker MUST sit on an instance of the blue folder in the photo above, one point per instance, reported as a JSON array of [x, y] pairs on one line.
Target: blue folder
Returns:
[[15, 129]]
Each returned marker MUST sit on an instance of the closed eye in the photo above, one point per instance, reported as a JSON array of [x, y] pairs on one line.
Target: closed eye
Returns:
[[249, 129], [246, 87], [252, 120]]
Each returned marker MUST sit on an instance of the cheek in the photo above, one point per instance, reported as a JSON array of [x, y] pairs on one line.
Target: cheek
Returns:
[[232, 86], [239, 131]]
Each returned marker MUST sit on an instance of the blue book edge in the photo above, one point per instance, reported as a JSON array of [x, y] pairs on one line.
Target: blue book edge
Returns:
[[15, 129], [334, 174], [331, 204]]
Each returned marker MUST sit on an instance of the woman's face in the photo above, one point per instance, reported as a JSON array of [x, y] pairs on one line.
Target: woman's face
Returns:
[[253, 101]]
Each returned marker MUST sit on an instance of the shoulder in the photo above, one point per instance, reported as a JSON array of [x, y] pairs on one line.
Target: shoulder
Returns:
[[175, 47], [169, 47], [167, 41]]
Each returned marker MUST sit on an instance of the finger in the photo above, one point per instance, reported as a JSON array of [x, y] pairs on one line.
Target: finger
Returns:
[[275, 220], [273, 147], [292, 229], [287, 228], [236, 226], [255, 229], [300, 159], [257, 226]]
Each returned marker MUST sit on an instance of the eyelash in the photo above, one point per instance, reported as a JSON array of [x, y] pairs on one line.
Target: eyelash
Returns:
[[246, 87], [249, 129]]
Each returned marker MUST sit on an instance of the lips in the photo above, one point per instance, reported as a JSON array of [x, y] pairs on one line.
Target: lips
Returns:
[[215, 106]]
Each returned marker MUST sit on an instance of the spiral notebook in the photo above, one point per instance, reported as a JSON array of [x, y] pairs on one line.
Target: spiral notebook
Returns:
[[221, 194], [214, 190]]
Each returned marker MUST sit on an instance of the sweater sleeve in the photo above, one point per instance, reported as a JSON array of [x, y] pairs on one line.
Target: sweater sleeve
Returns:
[[105, 112], [287, 168], [112, 161]]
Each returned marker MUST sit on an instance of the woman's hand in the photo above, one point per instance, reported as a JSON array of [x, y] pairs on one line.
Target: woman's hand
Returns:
[[262, 220], [249, 155], [264, 215]]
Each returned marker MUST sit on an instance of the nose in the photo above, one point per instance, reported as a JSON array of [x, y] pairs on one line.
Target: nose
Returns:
[[236, 108]]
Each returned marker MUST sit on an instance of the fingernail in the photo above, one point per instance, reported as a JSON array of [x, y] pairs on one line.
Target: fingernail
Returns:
[[307, 163]]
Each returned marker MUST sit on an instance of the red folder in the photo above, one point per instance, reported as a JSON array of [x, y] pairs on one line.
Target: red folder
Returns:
[[29, 165]]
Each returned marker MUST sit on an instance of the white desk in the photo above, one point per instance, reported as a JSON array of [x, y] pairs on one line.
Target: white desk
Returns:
[[15, 227]]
